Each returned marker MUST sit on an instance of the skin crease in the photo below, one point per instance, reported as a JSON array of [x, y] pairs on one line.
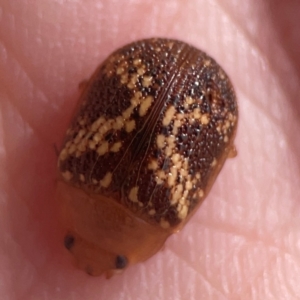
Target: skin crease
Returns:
[[243, 243]]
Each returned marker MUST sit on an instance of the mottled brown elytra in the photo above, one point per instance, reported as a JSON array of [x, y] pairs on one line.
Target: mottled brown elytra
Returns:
[[154, 126]]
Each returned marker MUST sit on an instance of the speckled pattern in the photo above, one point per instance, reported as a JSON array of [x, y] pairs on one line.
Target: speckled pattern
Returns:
[[155, 119]]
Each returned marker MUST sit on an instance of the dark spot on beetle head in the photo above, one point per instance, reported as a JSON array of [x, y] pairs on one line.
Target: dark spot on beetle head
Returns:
[[121, 262], [69, 241]]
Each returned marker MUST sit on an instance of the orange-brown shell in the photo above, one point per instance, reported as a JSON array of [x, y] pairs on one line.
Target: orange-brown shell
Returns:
[[154, 126]]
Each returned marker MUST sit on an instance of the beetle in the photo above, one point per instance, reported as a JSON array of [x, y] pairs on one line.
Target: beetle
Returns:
[[154, 126]]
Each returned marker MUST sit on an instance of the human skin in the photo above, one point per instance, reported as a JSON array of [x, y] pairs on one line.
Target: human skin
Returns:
[[243, 242]]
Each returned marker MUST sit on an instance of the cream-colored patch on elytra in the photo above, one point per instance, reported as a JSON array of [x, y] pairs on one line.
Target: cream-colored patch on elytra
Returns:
[[135, 101], [200, 193], [82, 178], [170, 45], [183, 172], [120, 70], [230, 116], [67, 175], [97, 137], [133, 194], [147, 81], [168, 151], [92, 145], [176, 193], [116, 147], [188, 101], [158, 180], [130, 125], [141, 70], [213, 163], [72, 149], [227, 125], [180, 116], [169, 115], [106, 180], [184, 195], [177, 124], [160, 141], [124, 78], [172, 176], [82, 121], [103, 148], [207, 62], [152, 212], [182, 213], [161, 174], [164, 224], [97, 124], [175, 158], [204, 119], [137, 61], [145, 105], [106, 126], [131, 85], [128, 112], [79, 136], [134, 78], [188, 185], [196, 114], [226, 139], [119, 123], [222, 74], [170, 145], [153, 165], [82, 145], [63, 154], [171, 140]]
